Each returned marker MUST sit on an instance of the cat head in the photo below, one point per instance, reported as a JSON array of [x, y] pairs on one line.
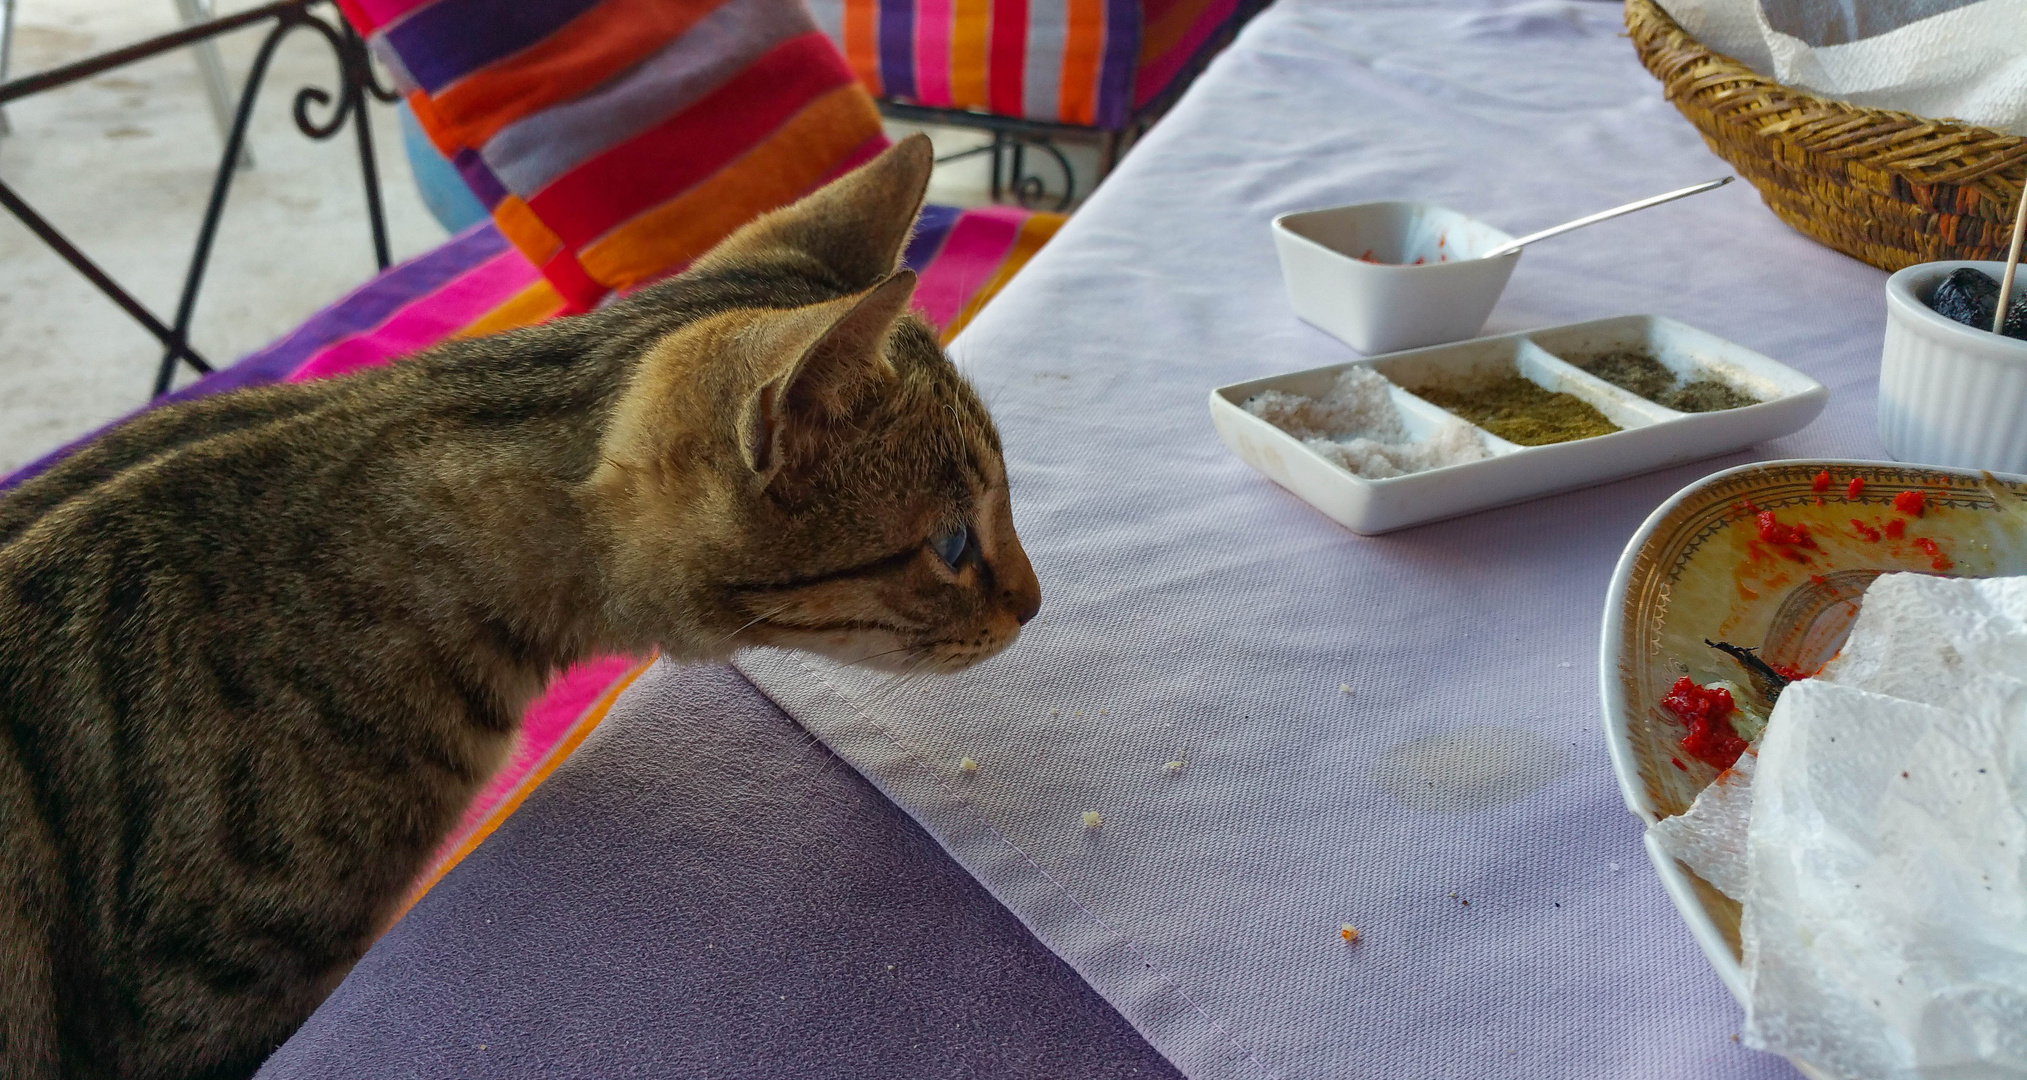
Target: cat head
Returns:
[[803, 466]]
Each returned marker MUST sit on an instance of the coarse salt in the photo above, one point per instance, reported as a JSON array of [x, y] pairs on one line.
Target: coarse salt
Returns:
[[1356, 427]]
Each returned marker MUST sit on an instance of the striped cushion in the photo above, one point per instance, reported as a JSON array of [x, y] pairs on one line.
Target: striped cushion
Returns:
[[1094, 63], [616, 140]]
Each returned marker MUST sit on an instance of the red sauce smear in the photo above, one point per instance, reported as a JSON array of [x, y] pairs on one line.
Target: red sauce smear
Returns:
[[1855, 488], [1909, 503], [1822, 481], [1938, 560], [1711, 739], [1864, 530], [1792, 674], [1896, 529]]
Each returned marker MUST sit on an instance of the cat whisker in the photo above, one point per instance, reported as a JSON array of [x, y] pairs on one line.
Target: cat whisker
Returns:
[[750, 624]]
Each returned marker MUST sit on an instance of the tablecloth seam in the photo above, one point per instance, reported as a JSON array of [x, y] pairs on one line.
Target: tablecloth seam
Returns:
[[1132, 946]]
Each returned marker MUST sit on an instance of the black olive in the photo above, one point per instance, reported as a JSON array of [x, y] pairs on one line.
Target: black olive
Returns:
[[1968, 296]]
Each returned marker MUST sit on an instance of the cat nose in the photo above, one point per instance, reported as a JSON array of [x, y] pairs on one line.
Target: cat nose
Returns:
[[1028, 610]]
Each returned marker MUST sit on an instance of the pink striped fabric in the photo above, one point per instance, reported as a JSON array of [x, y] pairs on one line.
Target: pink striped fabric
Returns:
[[933, 22], [451, 308], [566, 700], [977, 244]]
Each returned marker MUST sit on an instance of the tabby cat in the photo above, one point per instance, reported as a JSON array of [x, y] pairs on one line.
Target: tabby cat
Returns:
[[258, 651]]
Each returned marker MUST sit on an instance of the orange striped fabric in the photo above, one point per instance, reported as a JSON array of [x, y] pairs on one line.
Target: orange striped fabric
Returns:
[[614, 140]]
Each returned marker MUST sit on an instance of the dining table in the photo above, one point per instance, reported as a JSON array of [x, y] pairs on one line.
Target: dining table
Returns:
[[1133, 844]]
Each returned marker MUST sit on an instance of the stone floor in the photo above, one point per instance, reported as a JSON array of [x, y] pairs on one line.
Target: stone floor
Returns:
[[122, 163]]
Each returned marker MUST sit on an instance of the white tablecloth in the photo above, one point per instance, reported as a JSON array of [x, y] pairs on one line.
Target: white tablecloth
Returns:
[[1195, 612]]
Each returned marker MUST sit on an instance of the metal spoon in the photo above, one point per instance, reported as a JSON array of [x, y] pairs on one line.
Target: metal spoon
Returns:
[[1511, 246]]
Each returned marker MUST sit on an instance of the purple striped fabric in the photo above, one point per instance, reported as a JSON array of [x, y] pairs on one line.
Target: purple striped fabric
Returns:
[[362, 309], [931, 229], [450, 39], [1122, 56], [897, 47], [479, 177]]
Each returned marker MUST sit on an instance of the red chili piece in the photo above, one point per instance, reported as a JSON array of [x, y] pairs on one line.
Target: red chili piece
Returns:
[[1792, 674], [1822, 481], [1708, 714], [1773, 532], [1854, 489], [1938, 560], [1864, 530], [1909, 503], [1896, 529]]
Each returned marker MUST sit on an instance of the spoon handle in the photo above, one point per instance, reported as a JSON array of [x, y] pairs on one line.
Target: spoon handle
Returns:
[[1605, 215]]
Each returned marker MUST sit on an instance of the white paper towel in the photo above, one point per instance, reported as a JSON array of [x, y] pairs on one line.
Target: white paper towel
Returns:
[[1876, 842], [1937, 58]]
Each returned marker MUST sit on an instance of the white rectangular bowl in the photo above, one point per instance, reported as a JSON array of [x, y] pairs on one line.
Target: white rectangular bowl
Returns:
[[1652, 436]]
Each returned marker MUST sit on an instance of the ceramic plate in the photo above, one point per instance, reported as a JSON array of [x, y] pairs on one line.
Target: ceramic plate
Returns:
[[1699, 568]]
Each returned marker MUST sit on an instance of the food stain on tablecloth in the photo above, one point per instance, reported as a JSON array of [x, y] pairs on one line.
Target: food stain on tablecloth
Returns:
[[1470, 769]]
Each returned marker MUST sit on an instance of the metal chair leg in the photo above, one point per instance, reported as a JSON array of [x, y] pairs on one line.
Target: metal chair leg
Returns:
[[6, 43], [212, 70]]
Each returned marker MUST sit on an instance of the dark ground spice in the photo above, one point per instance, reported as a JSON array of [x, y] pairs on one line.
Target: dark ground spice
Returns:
[[1521, 412], [1648, 377], [1638, 372], [1706, 395]]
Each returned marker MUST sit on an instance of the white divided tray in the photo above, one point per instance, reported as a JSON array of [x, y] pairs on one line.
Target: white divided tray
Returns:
[[1652, 435]]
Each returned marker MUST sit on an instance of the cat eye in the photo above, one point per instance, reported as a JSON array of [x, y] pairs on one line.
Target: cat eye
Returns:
[[949, 546]]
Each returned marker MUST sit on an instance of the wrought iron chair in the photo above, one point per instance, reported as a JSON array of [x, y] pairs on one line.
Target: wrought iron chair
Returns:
[[1032, 72], [217, 88]]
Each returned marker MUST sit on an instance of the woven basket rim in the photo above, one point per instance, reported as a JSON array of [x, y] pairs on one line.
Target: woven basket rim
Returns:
[[1727, 69]]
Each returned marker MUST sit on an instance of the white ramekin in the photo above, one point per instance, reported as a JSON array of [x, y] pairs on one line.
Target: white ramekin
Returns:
[[1383, 276], [1948, 394]]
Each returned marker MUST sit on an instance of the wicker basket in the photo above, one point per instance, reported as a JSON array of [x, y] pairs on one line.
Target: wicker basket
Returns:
[[1890, 188]]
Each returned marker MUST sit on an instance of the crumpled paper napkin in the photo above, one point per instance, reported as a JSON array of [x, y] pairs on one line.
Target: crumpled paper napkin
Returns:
[[1882, 863]]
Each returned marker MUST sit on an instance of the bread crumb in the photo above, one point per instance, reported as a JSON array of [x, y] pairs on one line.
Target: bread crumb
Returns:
[[1348, 932], [1173, 766], [1092, 820], [967, 766], [1344, 688]]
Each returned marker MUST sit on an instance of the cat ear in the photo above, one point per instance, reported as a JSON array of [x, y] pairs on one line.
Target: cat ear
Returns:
[[856, 226], [829, 356]]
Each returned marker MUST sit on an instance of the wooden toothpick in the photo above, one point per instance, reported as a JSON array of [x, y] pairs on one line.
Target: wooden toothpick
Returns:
[[2012, 264]]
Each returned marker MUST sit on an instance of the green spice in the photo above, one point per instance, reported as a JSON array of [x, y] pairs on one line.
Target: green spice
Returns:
[[1521, 412], [1650, 378], [1706, 395], [1638, 372]]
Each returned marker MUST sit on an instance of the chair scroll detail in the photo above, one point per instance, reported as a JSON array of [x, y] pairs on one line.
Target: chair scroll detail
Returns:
[[356, 86]]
